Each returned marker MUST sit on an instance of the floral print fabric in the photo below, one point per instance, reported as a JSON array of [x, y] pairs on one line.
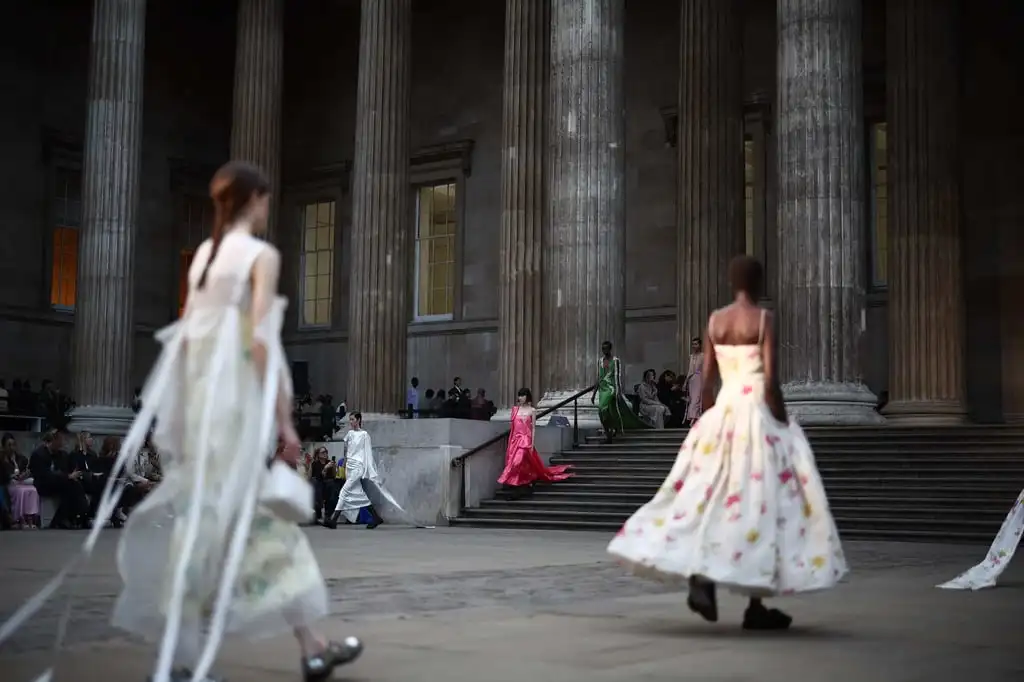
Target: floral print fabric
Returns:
[[999, 554], [744, 505]]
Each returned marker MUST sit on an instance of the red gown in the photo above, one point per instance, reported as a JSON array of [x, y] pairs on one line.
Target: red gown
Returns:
[[523, 465]]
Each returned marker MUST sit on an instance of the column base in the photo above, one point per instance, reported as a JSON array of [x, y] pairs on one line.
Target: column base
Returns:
[[828, 404], [925, 413], [586, 412], [102, 421]]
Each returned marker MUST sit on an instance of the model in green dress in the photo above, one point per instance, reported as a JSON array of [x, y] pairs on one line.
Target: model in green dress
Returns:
[[615, 412]]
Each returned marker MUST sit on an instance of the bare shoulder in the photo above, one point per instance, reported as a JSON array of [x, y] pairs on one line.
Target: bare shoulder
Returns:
[[269, 257]]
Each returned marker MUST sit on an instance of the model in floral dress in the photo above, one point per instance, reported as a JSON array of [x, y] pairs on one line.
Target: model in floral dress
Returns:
[[999, 554], [743, 506]]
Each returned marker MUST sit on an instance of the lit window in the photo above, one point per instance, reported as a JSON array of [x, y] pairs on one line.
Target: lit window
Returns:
[[435, 252], [67, 213], [196, 224], [317, 263], [879, 206], [749, 174]]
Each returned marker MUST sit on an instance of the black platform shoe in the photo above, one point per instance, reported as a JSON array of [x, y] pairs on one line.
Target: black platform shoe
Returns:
[[319, 667], [375, 519], [759, 617], [702, 599]]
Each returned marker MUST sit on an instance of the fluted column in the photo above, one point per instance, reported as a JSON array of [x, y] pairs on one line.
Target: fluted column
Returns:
[[821, 205], [709, 209], [379, 304], [522, 197], [104, 334], [256, 125], [926, 296], [584, 260]]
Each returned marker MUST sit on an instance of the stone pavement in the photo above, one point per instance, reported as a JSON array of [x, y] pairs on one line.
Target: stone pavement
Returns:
[[483, 605]]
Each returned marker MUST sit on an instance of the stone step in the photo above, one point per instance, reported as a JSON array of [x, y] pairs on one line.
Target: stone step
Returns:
[[952, 497], [981, 512], [892, 460], [852, 529]]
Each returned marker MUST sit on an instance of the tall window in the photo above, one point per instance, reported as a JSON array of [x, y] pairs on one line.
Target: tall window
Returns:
[[317, 263], [66, 210], [435, 252], [749, 175], [879, 206], [196, 223]]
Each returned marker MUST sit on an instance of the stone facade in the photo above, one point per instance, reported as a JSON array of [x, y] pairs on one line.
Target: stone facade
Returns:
[[459, 134]]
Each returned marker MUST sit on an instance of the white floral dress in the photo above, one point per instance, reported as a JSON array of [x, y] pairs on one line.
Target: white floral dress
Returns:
[[999, 554], [744, 505]]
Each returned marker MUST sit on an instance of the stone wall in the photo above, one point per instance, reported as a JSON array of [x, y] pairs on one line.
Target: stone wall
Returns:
[[456, 97]]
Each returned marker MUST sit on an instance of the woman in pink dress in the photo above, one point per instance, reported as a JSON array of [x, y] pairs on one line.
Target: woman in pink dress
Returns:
[[23, 494], [523, 466]]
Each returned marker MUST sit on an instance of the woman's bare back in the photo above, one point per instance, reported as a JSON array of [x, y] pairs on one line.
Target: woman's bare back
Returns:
[[738, 324]]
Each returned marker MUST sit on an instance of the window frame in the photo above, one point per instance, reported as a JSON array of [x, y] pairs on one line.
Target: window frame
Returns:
[[300, 218], [456, 254], [449, 163], [313, 185], [61, 154]]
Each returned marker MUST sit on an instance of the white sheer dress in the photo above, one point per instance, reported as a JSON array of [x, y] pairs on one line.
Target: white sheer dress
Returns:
[[199, 557]]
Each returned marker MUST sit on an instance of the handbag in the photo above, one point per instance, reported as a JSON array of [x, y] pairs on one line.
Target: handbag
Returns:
[[286, 494]]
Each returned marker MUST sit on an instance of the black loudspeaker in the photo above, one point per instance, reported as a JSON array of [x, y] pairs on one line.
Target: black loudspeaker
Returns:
[[300, 377]]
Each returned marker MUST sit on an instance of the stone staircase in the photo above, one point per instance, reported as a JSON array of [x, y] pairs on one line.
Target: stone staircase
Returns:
[[953, 484]]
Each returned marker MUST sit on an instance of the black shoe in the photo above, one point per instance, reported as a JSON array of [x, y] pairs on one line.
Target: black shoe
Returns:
[[332, 522], [702, 599], [758, 617], [319, 667], [375, 519]]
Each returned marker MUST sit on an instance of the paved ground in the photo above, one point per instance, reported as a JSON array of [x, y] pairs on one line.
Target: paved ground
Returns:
[[491, 606]]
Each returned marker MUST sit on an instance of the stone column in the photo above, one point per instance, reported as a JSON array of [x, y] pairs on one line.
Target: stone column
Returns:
[[379, 304], [821, 211], [926, 288], [104, 335], [584, 259], [709, 209], [520, 327], [256, 125]]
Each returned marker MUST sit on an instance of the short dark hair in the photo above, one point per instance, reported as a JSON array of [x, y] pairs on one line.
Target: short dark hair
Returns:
[[526, 393], [458, 379], [358, 416], [415, 381], [607, 343], [746, 275]]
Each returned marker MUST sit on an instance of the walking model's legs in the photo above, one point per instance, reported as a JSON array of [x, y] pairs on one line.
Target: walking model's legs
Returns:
[[320, 657]]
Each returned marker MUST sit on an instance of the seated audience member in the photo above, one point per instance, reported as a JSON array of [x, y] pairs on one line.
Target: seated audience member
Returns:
[[481, 408], [19, 499], [427, 404], [49, 474], [437, 407], [83, 459], [672, 395], [650, 409]]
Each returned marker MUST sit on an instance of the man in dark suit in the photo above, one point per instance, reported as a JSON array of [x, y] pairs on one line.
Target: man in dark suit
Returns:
[[52, 479]]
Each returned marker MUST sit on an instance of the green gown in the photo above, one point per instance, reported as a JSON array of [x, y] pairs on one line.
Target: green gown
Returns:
[[615, 413]]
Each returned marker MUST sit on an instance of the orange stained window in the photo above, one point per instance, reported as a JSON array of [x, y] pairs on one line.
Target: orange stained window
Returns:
[[65, 267]]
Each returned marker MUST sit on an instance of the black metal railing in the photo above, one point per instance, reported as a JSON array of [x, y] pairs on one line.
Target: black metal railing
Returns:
[[460, 461]]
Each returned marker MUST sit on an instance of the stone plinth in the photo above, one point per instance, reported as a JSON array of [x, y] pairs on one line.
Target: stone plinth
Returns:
[[520, 303], [709, 210], [821, 211], [584, 263], [379, 278], [104, 334], [926, 287]]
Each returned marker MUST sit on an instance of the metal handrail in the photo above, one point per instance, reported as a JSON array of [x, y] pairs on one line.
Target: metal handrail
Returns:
[[459, 462]]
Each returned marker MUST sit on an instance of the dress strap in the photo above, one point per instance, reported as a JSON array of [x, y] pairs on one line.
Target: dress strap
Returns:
[[760, 329]]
